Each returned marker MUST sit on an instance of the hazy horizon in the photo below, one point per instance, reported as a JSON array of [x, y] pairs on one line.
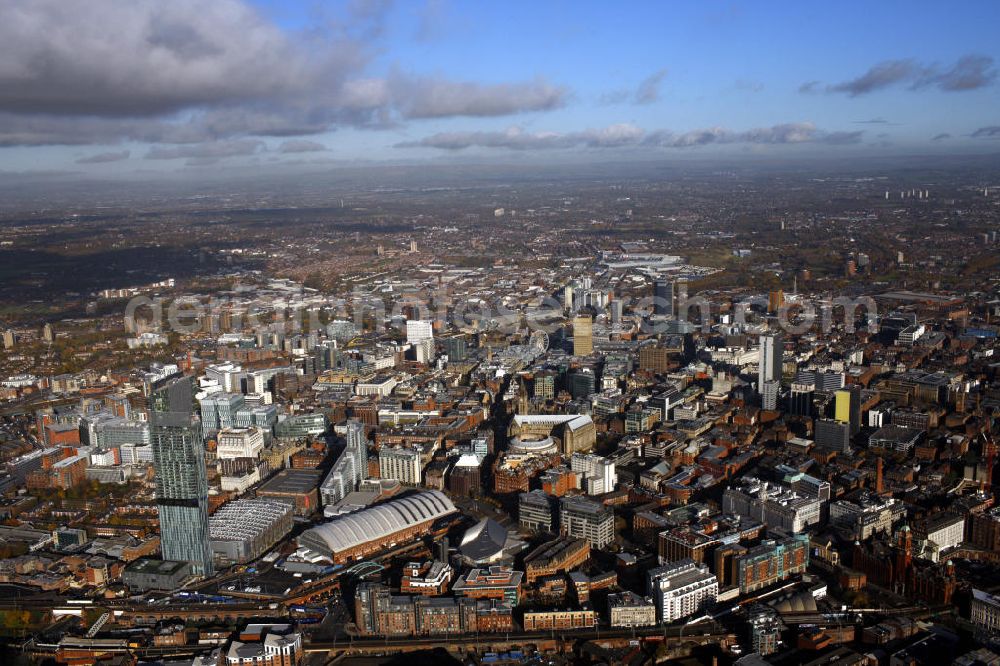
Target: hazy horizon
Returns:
[[117, 90]]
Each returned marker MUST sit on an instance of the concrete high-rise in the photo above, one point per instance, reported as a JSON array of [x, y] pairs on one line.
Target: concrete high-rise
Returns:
[[181, 479], [680, 300], [583, 335], [681, 589], [770, 392], [350, 468], [771, 353], [822, 380], [833, 434], [584, 518], [801, 398], [402, 464], [597, 474]]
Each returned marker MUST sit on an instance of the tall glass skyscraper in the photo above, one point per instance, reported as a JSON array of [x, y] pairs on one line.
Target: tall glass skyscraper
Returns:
[[663, 293], [181, 479]]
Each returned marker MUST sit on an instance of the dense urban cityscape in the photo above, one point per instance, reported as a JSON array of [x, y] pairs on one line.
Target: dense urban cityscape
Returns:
[[360, 332], [604, 421]]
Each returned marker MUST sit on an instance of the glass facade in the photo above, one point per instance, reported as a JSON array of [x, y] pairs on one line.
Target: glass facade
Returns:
[[181, 480]]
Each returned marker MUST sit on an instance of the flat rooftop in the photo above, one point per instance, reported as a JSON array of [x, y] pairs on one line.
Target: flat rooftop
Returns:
[[160, 567], [292, 482]]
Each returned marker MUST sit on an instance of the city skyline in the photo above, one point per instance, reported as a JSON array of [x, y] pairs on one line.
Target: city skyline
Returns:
[[373, 332], [270, 86]]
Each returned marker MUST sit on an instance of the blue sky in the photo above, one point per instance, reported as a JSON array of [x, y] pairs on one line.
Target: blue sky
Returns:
[[133, 86]]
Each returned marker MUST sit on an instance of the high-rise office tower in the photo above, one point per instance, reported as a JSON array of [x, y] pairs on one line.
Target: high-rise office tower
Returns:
[[771, 353], [616, 308], [847, 407], [832, 434], [680, 303], [800, 399], [663, 297], [218, 412], [423, 351], [583, 335], [584, 518], [456, 348], [181, 479], [775, 301], [582, 384], [823, 380]]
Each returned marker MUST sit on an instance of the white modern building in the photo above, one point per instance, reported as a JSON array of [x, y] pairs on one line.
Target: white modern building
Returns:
[[417, 330], [226, 375], [239, 443], [771, 504], [770, 393], [681, 589], [350, 468], [424, 350], [136, 454], [380, 386], [771, 355], [597, 474]]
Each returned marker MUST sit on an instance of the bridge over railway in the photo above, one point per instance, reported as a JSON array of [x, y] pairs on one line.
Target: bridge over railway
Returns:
[[543, 640], [231, 612]]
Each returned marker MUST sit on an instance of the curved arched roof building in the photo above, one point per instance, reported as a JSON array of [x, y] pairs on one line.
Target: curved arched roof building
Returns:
[[358, 534]]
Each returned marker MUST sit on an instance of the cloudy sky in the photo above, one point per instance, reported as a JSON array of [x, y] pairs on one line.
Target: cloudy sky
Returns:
[[116, 87]]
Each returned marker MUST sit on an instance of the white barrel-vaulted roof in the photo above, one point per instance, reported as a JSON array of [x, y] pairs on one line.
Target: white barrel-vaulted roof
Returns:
[[377, 522]]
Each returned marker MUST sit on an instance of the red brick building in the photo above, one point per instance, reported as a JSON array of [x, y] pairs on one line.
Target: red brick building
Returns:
[[891, 564], [545, 620]]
